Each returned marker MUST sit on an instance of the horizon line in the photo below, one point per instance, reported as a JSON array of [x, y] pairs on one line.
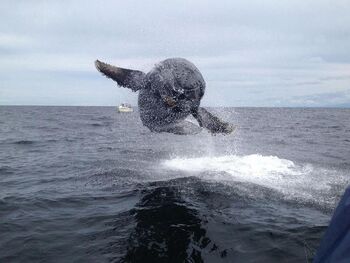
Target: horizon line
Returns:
[[135, 106]]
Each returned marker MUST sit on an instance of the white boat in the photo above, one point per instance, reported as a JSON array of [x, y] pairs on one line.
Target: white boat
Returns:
[[125, 107]]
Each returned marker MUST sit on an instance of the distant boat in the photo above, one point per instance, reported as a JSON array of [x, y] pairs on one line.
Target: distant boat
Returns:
[[125, 107]]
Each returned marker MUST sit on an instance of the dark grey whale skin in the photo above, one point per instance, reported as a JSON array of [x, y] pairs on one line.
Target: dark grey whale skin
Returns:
[[168, 94]]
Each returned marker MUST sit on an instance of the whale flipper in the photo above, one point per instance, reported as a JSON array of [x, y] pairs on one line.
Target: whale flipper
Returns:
[[211, 122], [128, 78]]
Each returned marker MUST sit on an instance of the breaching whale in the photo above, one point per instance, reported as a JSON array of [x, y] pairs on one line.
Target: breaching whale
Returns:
[[168, 94]]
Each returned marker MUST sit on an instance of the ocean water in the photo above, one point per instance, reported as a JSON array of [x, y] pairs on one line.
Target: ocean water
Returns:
[[86, 184]]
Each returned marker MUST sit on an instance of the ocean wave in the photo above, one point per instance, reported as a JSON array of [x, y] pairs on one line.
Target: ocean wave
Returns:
[[31, 142], [6, 170], [96, 124], [24, 142]]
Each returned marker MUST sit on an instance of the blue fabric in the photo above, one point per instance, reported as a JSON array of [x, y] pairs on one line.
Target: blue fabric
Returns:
[[335, 245]]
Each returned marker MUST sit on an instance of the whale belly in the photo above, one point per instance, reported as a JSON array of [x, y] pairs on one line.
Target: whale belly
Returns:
[[154, 114]]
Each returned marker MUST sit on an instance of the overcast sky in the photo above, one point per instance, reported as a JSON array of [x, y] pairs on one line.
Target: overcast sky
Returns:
[[251, 53]]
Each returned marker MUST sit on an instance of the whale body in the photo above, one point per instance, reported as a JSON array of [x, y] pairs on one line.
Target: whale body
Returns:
[[168, 94]]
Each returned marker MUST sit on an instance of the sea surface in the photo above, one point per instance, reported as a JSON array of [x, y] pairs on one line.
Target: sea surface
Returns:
[[86, 184]]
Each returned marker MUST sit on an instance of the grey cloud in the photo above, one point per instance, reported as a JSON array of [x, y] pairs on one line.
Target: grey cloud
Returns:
[[331, 99], [280, 50]]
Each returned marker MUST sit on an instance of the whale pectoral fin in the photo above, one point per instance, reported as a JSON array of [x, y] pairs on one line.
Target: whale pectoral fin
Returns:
[[128, 78], [211, 122], [180, 128]]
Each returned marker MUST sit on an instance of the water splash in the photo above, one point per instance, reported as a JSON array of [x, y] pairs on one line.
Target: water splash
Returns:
[[295, 181]]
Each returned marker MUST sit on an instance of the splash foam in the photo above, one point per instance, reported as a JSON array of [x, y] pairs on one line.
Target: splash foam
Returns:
[[293, 180]]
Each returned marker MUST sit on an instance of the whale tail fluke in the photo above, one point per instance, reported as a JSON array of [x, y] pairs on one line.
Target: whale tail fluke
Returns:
[[128, 78]]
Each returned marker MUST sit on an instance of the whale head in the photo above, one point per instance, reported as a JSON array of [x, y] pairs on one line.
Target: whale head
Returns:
[[178, 82]]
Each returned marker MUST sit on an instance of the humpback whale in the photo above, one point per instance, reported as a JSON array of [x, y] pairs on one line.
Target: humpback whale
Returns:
[[168, 94]]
